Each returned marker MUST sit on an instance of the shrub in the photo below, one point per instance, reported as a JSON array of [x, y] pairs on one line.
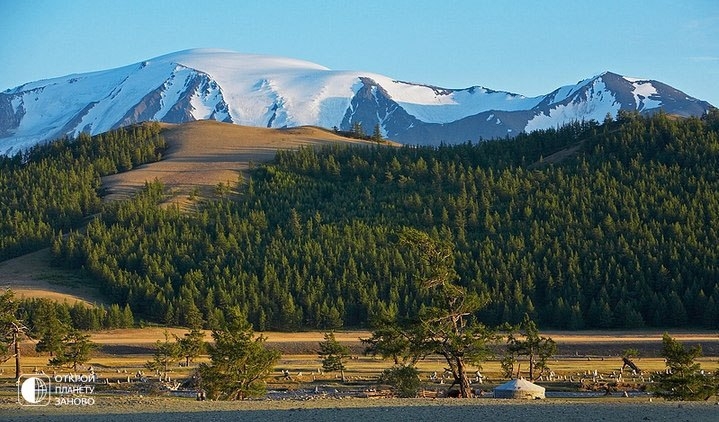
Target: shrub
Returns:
[[404, 380]]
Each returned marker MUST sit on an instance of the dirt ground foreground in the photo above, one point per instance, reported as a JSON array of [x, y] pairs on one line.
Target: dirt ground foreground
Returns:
[[171, 409]]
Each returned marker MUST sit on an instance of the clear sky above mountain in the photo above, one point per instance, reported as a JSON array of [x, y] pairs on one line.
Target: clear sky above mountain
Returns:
[[527, 47]]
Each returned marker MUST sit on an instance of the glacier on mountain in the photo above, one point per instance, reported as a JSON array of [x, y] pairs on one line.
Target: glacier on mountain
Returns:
[[269, 91]]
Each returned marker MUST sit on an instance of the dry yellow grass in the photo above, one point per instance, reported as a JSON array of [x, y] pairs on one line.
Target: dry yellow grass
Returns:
[[32, 276], [627, 336], [362, 371], [149, 335], [131, 348], [202, 154]]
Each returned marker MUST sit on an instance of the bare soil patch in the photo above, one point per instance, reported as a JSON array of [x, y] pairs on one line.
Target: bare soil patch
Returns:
[[558, 156], [171, 409]]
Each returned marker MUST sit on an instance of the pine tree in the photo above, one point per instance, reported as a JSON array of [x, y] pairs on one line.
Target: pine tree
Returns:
[[239, 362], [166, 353], [334, 355], [12, 330], [76, 349], [51, 340], [191, 345], [442, 328], [538, 349], [357, 130], [128, 319], [377, 134], [684, 379]]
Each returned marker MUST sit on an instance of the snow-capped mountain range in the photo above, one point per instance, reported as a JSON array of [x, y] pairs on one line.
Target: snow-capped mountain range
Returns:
[[270, 91]]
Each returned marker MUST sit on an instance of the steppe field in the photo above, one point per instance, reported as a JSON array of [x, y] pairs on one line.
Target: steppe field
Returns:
[[312, 395]]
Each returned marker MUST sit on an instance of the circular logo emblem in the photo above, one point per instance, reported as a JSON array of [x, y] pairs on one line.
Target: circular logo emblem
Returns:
[[34, 390]]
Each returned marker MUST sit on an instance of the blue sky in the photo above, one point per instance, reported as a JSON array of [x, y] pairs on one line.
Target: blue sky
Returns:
[[527, 47]]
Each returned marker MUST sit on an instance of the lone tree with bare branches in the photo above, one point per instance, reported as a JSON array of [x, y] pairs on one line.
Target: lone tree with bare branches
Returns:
[[12, 330], [627, 356], [445, 324]]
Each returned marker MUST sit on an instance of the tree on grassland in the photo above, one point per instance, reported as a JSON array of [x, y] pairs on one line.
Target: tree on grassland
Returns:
[[334, 355], [76, 349], [524, 340], [166, 353], [391, 339], [377, 134], [684, 379], [357, 129], [239, 362], [191, 345], [445, 325], [12, 330], [404, 380], [51, 339]]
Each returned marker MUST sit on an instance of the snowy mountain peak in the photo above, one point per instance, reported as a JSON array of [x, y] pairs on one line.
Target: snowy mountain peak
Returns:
[[270, 91]]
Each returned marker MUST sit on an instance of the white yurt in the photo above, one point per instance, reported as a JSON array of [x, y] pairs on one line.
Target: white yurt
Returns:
[[519, 389]]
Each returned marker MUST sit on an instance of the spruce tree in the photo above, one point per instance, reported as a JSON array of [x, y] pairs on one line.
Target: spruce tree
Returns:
[[239, 362], [334, 355]]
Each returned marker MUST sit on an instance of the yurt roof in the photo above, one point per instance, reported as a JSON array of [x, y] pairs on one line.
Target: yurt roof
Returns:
[[520, 384]]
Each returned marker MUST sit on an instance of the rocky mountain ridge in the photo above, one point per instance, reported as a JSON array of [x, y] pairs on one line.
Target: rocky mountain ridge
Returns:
[[267, 91]]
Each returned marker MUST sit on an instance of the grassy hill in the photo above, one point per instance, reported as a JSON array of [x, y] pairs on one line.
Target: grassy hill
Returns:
[[34, 276], [197, 156], [587, 226], [202, 154]]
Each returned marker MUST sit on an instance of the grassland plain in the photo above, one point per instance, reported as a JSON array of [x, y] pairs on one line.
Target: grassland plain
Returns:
[[124, 352]]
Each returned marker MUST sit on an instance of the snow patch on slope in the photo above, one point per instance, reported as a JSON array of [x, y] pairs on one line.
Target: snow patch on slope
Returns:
[[565, 92], [597, 102], [209, 103], [438, 105], [172, 89], [259, 88], [643, 92], [135, 85]]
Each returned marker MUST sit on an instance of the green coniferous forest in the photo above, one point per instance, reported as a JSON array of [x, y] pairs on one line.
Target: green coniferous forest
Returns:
[[623, 232], [52, 188]]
